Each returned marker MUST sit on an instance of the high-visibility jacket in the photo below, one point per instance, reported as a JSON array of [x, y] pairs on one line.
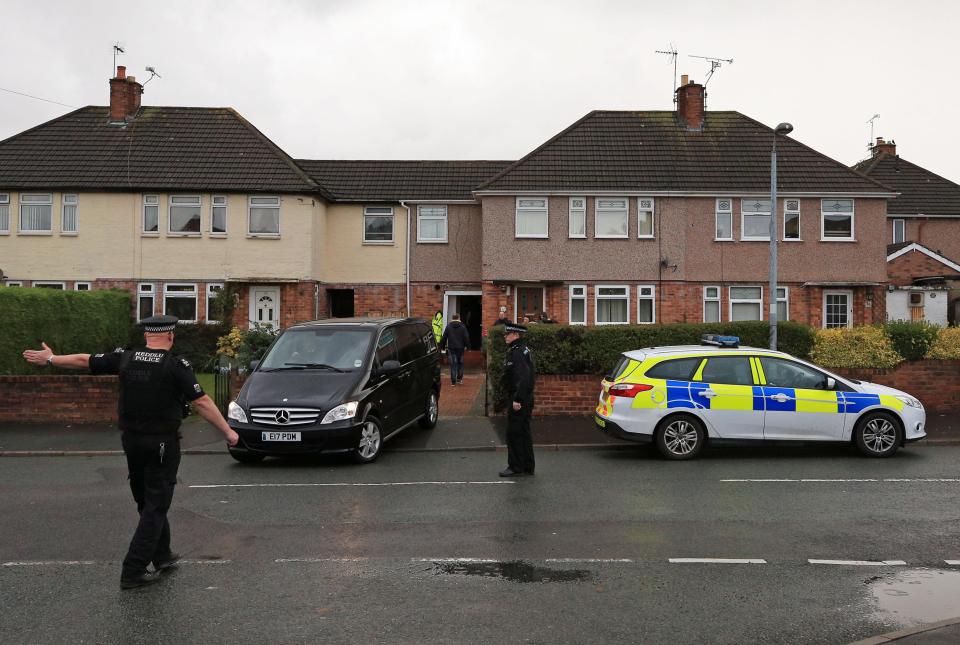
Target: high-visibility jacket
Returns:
[[438, 327]]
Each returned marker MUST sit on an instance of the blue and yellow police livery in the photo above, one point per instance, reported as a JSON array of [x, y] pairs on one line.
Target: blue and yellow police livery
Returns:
[[681, 397]]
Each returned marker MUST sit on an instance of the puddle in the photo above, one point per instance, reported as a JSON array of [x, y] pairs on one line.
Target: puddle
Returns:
[[918, 595], [516, 571]]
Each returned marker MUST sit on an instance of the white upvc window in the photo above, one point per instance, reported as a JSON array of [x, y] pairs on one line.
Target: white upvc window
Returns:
[[151, 215], [612, 304], [145, 300], [14, 283], [48, 284], [578, 217], [218, 216], [724, 219], [645, 217], [711, 304], [180, 300], [378, 225], [836, 220], [82, 286], [4, 213], [69, 216], [213, 289], [899, 230], [791, 220], [432, 224], [533, 217], [36, 213], [611, 217], [183, 216], [746, 303], [783, 303], [646, 304], [263, 217], [755, 219], [578, 304]]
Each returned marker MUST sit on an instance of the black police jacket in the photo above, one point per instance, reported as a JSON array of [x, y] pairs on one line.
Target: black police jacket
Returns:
[[519, 373]]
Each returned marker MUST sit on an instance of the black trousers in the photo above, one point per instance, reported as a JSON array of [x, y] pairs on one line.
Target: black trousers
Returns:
[[519, 439], [152, 464]]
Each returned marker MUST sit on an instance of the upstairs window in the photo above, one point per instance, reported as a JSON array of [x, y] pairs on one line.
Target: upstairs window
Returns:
[[68, 220], [431, 224], [378, 225], [724, 219], [184, 214], [791, 219], [36, 212], [532, 217], [755, 219], [645, 217], [4, 213], [612, 218], [836, 219], [263, 216], [218, 215], [151, 214], [578, 217], [899, 229]]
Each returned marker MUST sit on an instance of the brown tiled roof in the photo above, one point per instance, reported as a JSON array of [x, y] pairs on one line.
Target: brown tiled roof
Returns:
[[921, 191], [355, 180], [652, 151], [163, 148]]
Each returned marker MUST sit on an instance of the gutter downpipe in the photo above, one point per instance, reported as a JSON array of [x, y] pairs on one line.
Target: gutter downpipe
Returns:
[[404, 205]]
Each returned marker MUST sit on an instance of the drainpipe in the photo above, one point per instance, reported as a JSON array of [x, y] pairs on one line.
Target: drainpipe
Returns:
[[404, 205]]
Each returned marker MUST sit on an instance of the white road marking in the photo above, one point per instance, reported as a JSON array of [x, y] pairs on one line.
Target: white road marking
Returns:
[[349, 484], [487, 560], [588, 560], [43, 563], [717, 560], [897, 480], [185, 561], [282, 560], [861, 563], [952, 562]]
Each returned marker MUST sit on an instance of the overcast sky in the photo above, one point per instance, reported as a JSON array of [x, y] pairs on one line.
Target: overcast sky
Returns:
[[492, 79]]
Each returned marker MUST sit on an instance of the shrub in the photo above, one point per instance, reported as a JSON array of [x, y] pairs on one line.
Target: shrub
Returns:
[[947, 345], [854, 347], [241, 346], [912, 340], [70, 322]]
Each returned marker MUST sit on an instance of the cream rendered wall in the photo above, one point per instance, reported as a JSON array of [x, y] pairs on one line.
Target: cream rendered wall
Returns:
[[349, 260]]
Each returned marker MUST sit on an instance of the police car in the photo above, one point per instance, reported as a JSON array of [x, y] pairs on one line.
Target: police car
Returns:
[[684, 396]]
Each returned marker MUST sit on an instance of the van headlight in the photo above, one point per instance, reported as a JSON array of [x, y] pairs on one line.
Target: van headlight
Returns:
[[913, 402], [341, 413], [236, 413]]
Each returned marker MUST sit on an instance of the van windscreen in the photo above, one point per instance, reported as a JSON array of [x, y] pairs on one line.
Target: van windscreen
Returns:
[[332, 348]]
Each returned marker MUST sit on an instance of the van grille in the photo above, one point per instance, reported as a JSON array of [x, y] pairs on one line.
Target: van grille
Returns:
[[284, 417]]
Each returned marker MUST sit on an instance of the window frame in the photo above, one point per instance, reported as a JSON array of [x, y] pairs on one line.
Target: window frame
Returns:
[[728, 212], [823, 220], [63, 214], [653, 217], [903, 229], [731, 300], [195, 296], [171, 206], [5, 202], [213, 211], [716, 299], [596, 217], [209, 294], [76, 286], [277, 207], [143, 214], [21, 203], [582, 211], [393, 225], [597, 298], [49, 284], [571, 298], [753, 238], [919, 305], [446, 224], [786, 303], [788, 211], [14, 283], [652, 298], [529, 209], [720, 357]]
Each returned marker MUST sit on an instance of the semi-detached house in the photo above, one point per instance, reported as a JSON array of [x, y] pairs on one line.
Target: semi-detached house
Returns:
[[624, 217]]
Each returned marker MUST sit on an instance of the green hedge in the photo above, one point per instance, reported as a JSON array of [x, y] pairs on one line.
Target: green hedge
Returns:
[[559, 349], [70, 322], [912, 340]]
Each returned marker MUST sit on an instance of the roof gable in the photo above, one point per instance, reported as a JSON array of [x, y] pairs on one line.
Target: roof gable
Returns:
[[921, 191], [895, 251]]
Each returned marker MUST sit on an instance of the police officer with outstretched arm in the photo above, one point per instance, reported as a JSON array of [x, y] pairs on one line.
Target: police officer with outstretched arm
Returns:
[[155, 387], [519, 376]]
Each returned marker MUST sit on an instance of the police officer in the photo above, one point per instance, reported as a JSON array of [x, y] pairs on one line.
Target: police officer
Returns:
[[155, 387], [518, 381], [437, 324]]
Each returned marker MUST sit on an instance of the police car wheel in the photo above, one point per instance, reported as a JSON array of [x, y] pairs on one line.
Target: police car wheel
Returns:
[[431, 412], [371, 440], [680, 437], [246, 457], [877, 434]]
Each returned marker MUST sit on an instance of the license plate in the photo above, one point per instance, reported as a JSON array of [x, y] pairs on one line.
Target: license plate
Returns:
[[600, 422], [281, 436]]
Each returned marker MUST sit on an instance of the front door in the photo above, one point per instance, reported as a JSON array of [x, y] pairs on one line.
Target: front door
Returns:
[[265, 306], [837, 309], [529, 302], [726, 390], [799, 405]]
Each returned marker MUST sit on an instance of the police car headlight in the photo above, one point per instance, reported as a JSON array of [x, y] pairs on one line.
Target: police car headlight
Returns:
[[341, 413], [906, 399], [236, 413]]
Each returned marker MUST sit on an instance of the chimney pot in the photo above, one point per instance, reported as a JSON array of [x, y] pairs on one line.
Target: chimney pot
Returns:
[[691, 104], [884, 148], [125, 94], [684, 79], [121, 71]]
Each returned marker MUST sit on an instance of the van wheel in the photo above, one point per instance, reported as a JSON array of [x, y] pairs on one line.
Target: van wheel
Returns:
[[432, 412], [246, 457], [877, 434], [681, 437], [371, 440]]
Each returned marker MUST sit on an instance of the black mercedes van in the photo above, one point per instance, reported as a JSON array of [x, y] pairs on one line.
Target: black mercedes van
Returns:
[[338, 385]]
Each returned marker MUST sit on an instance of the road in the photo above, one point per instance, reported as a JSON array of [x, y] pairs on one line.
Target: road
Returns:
[[434, 547]]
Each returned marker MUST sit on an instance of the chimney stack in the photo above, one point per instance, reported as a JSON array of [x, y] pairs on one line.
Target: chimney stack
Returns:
[[884, 148], [690, 103], [125, 94]]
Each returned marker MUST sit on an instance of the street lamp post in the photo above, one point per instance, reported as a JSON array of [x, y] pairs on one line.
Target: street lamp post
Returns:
[[782, 129]]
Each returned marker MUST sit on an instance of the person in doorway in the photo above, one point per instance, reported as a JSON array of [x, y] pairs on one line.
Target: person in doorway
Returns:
[[518, 381], [155, 387], [502, 320], [437, 323], [455, 340]]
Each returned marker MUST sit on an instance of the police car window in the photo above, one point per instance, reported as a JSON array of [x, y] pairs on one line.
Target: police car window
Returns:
[[680, 369], [781, 373], [387, 346], [731, 370]]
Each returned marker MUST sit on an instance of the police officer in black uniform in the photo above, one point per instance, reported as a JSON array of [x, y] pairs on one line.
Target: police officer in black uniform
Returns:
[[519, 377], [155, 387]]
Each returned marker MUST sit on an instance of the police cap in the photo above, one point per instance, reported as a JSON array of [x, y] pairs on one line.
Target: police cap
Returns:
[[159, 324], [514, 328]]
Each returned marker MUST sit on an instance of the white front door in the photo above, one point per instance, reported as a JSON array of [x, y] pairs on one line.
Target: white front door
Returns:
[[837, 309], [265, 306]]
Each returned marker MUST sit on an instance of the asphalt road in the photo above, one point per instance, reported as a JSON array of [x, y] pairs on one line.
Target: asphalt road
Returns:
[[434, 547]]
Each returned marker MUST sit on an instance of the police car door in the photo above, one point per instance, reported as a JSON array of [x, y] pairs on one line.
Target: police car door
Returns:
[[725, 385], [799, 405]]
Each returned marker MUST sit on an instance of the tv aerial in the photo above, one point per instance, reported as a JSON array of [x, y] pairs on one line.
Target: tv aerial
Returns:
[[672, 53], [118, 48], [715, 64], [153, 72], [871, 121]]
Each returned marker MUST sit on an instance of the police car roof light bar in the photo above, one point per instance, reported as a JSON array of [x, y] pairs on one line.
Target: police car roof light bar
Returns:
[[720, 341]]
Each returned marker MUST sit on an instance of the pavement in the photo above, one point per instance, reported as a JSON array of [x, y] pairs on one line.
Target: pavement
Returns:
[[945, 632]]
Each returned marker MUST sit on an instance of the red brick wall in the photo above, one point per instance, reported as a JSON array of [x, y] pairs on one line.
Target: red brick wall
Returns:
[[67, 398], [427, 298], [566, 394], [904, 269]]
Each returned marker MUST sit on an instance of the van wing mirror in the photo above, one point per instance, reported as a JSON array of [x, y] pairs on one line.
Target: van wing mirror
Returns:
[[388, 368], [253, 365]]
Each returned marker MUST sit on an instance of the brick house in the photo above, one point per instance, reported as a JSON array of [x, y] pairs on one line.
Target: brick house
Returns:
[[663, 216]]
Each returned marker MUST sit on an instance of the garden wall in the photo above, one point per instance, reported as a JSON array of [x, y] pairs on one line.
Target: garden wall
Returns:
[[67, 398]]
